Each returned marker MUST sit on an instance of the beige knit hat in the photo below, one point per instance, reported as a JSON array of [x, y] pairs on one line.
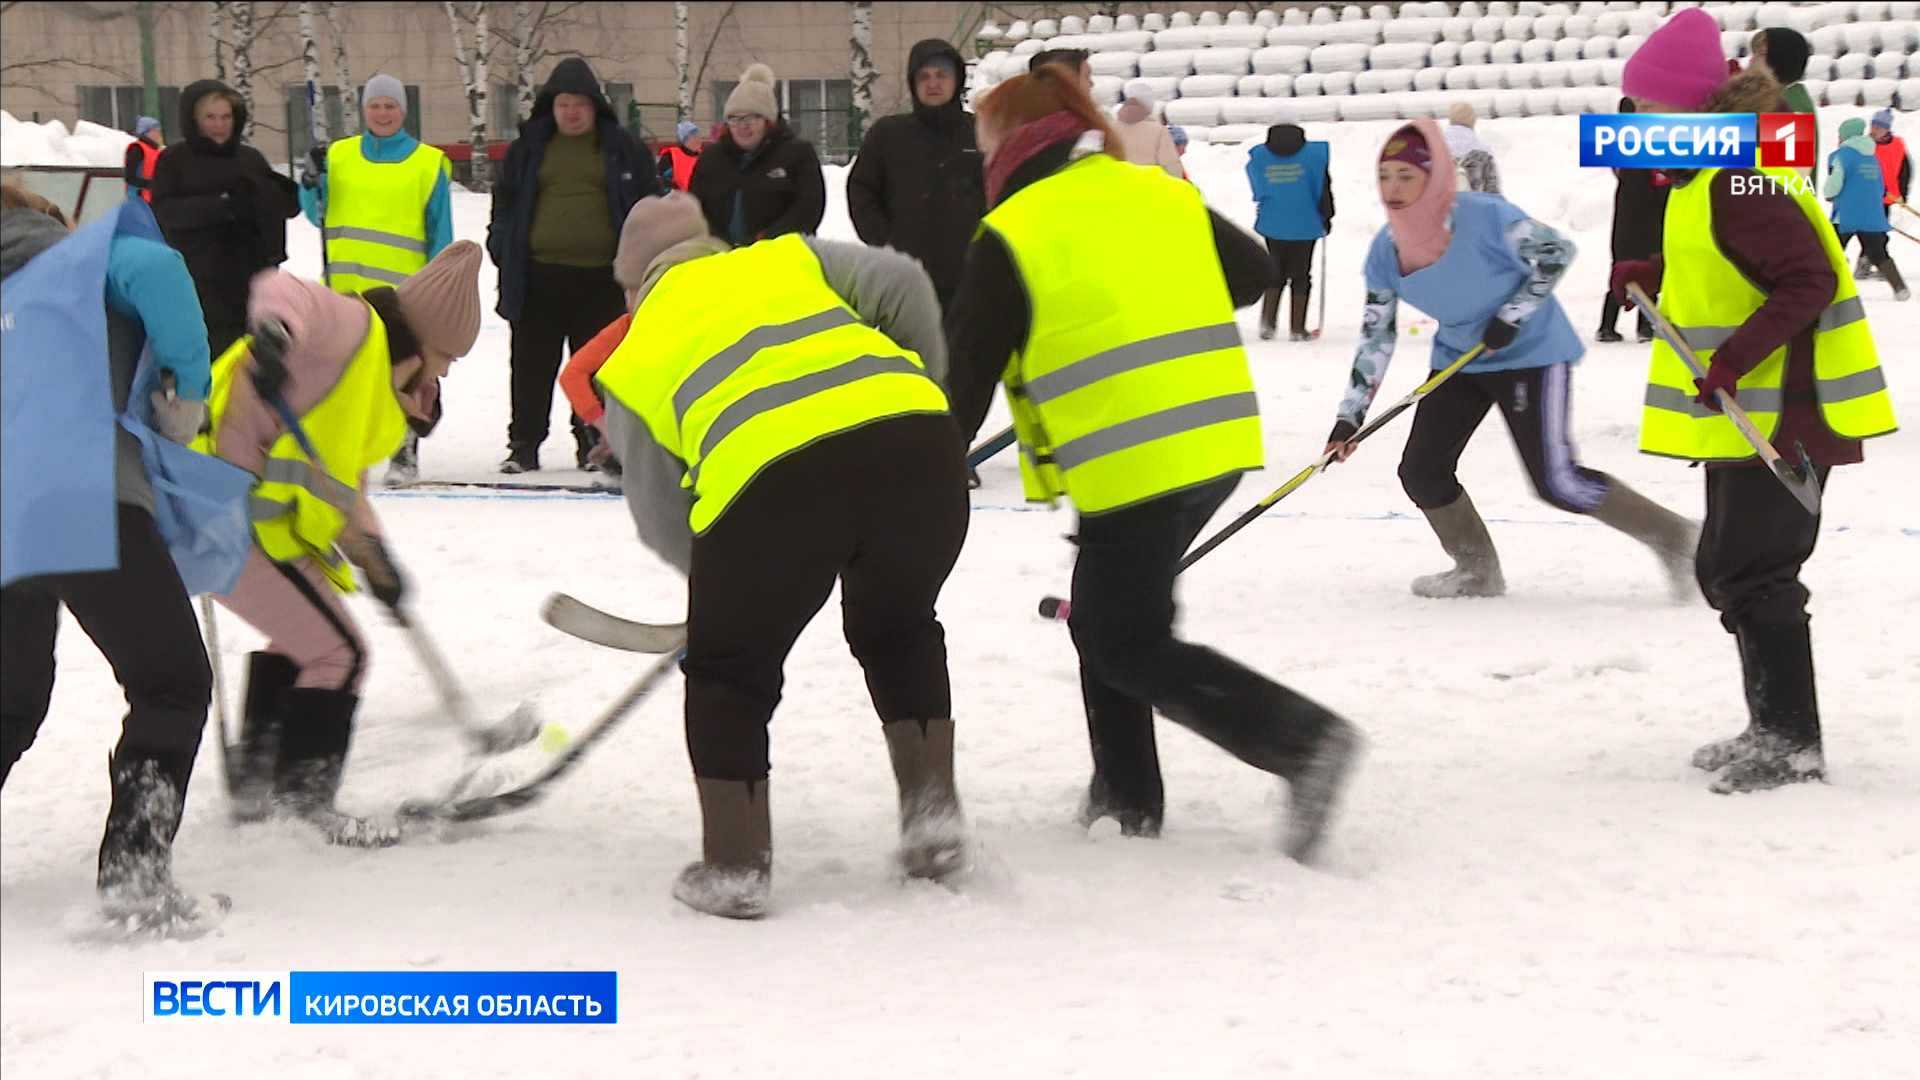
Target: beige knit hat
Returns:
[[1462, 113], [655, 224], [441, 300], [754, 94]]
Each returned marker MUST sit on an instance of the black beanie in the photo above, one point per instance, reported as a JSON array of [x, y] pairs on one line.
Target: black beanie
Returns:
[[1787, 53]]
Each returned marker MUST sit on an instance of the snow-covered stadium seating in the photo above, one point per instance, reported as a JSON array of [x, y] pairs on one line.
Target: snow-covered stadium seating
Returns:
[[1218, 73]]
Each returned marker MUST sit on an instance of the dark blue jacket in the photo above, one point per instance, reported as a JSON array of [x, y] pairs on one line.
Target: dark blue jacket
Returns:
[[630, 178]]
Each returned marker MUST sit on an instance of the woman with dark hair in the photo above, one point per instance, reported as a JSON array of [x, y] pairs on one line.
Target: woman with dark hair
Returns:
[[1130, 393], [221, 206], [759, 180]]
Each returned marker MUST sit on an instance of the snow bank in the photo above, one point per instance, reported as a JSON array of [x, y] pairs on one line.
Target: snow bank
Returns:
[[23, 142]]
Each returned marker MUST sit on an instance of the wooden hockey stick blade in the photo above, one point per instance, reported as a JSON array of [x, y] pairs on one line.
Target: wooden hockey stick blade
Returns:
[[589, 623]]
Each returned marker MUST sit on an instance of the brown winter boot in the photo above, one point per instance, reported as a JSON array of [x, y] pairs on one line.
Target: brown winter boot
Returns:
[[1892, 274], [1269, 313], [1672, 537], [1298, 314], [933, 843], [1476, 569], [735, 871]]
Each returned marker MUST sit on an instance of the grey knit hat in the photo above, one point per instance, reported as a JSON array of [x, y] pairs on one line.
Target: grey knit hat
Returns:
[[655, 224], [385, 86]]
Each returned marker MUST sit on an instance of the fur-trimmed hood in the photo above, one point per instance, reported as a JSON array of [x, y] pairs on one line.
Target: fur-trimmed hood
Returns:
[[1754, 90]]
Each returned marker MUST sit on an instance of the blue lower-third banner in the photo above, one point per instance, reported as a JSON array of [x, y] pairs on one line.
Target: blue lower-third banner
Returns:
[[384, 997]]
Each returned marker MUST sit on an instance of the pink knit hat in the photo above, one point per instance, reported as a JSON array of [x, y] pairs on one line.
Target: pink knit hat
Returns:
[[1679, 64], [441, 300]]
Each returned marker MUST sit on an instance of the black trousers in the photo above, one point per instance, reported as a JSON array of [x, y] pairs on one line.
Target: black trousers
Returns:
[[1754, 541], [883, 510], [565, 307], [1131, 664], [1294, 261], [142, 620], [1872, 244], [1610, 314], [1535, 403]]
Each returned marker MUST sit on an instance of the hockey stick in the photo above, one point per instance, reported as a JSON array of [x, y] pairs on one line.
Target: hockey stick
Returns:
[[507, 485], [589, 623], [978, 455], [230, 769], [490, 789], [1321, 324], [1905, 233], [518, 728], [1801, 481], [1054, 607]]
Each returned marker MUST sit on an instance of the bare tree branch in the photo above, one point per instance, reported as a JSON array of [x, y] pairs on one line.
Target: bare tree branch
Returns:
[[700, 75]]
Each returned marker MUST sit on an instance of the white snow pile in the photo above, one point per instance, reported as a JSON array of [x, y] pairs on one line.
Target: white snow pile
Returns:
[[23, 142]]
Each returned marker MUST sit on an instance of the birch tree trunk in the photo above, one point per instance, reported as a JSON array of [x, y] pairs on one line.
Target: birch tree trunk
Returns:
[[242, 14], [861, 43], [473, 73], [310, 65], [217, 27], [683, 84], [342, 75], [523, 28]]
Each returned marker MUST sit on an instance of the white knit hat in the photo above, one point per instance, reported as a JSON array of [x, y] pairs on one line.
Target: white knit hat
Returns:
[[754, 94], [1140, 90], [1285, 113]]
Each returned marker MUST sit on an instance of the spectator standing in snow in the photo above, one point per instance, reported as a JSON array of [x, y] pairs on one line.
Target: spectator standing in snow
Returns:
[[916, 185], [1143, 138], [1486, 272], [1474, 167], [1855, 187], [143, 153], [1293, 200], [1639, 213], [382, 204], [133, 291], [1783, 51], [562, 191], [677, 161], [856, 475], [1758, 267], [759, 180], [1896, 167], [221, 206], [1179, 136], [1131, 394], [352, 370]]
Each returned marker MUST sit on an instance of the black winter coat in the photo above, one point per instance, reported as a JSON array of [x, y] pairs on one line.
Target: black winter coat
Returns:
[[225, 210], [778, 186], [630, 178], [917, 185], [1639, 213]]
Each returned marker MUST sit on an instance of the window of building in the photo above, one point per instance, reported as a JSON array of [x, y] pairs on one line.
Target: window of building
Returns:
[[119, 106], [819, 111]]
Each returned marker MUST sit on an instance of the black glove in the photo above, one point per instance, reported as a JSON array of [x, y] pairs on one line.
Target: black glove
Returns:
[[241, 200], [1343, 431], [316, 163], [269, 359], [384, 579], [1498, 334]]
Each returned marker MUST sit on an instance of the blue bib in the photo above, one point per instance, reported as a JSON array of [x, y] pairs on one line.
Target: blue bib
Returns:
[[1287, 191], [1859, 208]]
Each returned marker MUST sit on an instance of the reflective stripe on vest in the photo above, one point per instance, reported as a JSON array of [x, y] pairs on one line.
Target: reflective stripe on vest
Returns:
[[299, 510], [1708, 299], [1132, 382], [736, 360], [376, 220]]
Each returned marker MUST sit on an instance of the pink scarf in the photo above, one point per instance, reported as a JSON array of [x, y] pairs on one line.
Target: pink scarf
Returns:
[[1025, 141], [1420, 230]]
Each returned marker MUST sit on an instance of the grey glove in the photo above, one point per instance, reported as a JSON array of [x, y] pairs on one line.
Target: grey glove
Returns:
[[177, 418]]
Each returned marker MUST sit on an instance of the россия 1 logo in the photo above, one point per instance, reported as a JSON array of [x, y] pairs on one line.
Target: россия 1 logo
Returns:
[[1696, 140]]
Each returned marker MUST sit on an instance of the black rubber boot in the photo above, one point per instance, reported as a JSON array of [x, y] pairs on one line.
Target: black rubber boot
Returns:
[[312, 761], [137, 890], [1297, 329], [269, 677], [1782, 743], [1269, 313], [735, 873]]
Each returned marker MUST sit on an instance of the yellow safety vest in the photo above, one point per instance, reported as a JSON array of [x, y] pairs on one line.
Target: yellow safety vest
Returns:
[[299, 510], [736, 360], [1707, 298], [376, 221], [1132, 382]]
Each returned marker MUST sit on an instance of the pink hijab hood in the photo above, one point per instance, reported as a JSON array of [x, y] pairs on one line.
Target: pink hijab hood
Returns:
[[1420, 230]]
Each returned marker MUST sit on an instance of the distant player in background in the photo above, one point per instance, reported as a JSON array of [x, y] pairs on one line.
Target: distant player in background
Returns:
[[1293, 201]]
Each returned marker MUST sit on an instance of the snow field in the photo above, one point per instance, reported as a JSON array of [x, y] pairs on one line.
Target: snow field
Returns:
[[1527, 879]]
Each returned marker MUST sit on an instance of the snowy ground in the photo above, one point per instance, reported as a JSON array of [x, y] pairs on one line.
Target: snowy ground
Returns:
[[1528, 880]]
